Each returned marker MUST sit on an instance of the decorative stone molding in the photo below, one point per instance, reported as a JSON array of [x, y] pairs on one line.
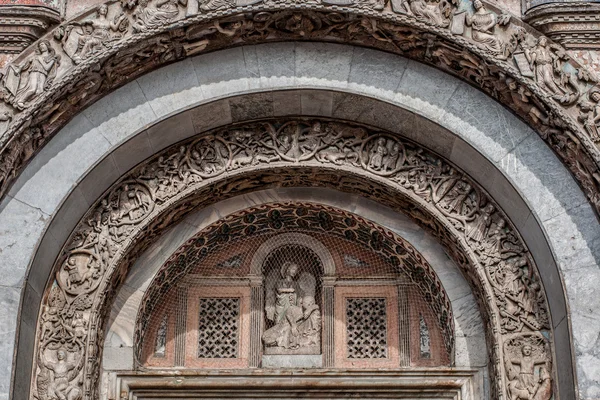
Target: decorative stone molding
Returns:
[[575, 25], [20, 26], [85, 58], [234, 160]]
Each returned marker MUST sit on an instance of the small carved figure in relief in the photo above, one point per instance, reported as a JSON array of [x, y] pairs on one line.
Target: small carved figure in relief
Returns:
[[95, 35], [62, 373], [542, 61], [377, 153], [478, 230], [435, 12], [424, 339], [160, 343], [290, 306], [523, 384], [454, 201], [524, 102], [483, 24], [590, 114], [23, 83], [149, 16]]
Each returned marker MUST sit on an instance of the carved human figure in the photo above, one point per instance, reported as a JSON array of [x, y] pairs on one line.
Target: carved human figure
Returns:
[[483, 23], [524, 384], [310, 326], [433, 12], [29, 80], [590, 115], [377, 154], [103, 32], [456, 197], [294, 324], [541, 60], [62, 373], [148, 16], [524, 102], [478, 230]]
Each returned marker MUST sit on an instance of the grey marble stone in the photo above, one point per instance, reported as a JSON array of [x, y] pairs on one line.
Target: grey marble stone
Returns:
[[132, 152], [423, 88], [103, 175], [122, 114], [322, 61], [354, 107], [381, 71], [9, 306], [276, 63], [285, 361], [252, 106], [316, 103], [171, 131], [575, 238], [211, 115], [287, 103], [172, 87], [548, 188], [221, 72], [60, 164], [486, 124], [20, 228]]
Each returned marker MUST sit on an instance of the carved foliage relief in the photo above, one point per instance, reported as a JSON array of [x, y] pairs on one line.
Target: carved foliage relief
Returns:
[[442, 199], [85, 58]]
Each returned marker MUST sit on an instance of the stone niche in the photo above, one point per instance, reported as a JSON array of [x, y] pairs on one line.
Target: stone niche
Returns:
[[330, 293]]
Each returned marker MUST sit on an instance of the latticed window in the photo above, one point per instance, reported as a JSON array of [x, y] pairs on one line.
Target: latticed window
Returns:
[[295, 287]]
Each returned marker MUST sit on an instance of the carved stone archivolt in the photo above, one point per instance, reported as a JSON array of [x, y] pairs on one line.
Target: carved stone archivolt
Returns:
[[85, 58], [297, 152]]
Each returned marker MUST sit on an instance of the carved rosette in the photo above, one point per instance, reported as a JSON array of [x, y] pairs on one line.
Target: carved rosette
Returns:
[[374, 164]]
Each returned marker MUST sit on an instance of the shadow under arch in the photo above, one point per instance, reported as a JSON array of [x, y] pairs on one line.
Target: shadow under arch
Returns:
[[364, 178]]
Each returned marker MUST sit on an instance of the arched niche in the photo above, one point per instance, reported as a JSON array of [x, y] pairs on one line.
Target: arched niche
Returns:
[[443, 144], [461, 215]]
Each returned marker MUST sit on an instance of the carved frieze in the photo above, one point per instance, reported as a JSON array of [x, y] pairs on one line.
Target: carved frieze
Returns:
[[442, 199], [85, 58]]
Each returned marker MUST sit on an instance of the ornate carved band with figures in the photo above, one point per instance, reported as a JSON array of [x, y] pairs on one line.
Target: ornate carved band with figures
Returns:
[[86, 58], [292, 152]]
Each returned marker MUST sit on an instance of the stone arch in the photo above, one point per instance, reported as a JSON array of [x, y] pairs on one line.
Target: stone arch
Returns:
[[76, 204], [499, 63], [160, 191], [469, 340], [289, 238]]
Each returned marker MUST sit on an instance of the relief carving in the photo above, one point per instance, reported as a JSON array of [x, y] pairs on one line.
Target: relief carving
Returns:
[[528, 368], [290, 306], [68, 317], [22, 83], [501, 44]]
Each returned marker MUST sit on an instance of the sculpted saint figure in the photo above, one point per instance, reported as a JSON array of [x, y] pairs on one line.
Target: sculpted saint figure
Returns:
[[541, 60], [29, 80], [290, 306], [483, 23], [590, 115]]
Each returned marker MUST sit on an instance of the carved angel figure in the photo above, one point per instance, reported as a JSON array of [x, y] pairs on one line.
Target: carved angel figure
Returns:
[[23, 83], [542, 60], [149, 16], [290, 306]]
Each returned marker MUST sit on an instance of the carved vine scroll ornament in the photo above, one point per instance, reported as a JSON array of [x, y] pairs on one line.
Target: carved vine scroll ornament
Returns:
[[85, 58], [152, 196]]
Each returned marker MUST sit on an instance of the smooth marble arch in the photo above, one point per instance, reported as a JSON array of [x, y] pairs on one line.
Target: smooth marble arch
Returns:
[[314, 79]]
